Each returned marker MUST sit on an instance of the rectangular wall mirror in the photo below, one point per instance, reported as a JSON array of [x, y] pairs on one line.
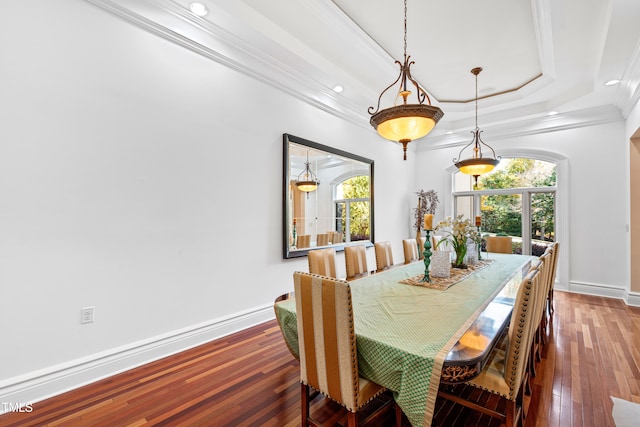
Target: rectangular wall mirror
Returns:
[[338, 211]]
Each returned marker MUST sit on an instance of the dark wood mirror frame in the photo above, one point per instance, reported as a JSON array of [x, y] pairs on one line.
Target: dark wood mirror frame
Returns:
[[352, 164]]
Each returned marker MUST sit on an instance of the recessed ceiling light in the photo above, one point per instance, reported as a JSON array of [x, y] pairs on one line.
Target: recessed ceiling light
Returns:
[[449, 132], [552, 113], [198, 9], [612, 82], [338, 88]]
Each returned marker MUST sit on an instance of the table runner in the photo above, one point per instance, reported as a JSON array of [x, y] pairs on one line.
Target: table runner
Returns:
[[404, 333], [444, 283]]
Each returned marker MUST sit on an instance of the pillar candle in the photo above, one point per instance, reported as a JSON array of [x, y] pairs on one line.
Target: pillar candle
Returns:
[[478, 221], [428, 221]]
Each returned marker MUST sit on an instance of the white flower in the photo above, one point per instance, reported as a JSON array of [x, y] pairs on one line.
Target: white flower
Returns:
[[456, 232]]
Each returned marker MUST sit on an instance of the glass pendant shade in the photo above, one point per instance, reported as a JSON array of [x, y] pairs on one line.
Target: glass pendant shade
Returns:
[[307, 180], [404, 122], [307, 186], [477, 166]]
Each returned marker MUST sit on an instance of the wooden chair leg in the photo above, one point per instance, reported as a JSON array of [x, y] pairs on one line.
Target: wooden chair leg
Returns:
[[529, 374], [538, 339], [304, 404], [532, 359], [528, 387], [398, 416], [520, 406], [510, 413], [352, 420]]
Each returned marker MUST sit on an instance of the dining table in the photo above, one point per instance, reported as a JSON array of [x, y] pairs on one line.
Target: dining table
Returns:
[[412, 335]]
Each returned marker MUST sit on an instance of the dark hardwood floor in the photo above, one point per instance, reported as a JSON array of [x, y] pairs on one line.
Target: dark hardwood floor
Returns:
[[250, 379]]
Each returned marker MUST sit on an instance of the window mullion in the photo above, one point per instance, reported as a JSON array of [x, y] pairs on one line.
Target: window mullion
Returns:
[[526, 223]]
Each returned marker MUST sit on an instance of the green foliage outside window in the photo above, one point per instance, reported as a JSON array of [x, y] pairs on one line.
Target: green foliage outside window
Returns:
[[357, 187], [519, 173], [503, 213]]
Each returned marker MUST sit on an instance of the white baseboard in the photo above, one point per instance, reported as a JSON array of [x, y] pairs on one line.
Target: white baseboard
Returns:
[[630, 298], [36, 386], [633, 299], [597, 290], [560, 287]]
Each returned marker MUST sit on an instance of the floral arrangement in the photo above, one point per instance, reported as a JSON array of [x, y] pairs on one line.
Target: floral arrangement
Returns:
[[427, 204], [457, 232]]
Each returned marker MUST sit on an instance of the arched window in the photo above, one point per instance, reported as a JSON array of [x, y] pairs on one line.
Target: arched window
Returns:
[[352, 206], [517, 199]]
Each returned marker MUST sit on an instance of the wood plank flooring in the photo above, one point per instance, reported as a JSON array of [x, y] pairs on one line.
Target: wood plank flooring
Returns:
[[250, 379]]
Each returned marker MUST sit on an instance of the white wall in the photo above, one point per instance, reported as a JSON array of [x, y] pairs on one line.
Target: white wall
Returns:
[[594, 252], [127, 182]]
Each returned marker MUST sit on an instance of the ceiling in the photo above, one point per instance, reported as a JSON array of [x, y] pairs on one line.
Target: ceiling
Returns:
[[537, 55]]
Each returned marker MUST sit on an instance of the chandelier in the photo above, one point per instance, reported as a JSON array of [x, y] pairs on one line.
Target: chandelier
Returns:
[[477, 164], [405, 122], [307, 181]]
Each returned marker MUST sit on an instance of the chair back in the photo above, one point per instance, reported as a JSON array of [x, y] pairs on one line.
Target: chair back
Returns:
[[323, 239], [303, 241], [544, 267], [328, 353], [322, 262], [521, 332], [355, 258], [554, 264], [410, 248], [284, 297], [384, 256], [335, 237], [434, 243], [499, 244]]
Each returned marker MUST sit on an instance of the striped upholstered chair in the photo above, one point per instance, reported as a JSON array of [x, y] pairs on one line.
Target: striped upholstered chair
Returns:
[[543, 266], [548, 259], [500, 244], [323, 239], [552, 279], [505, 373], [328, 352], [410, 248], [303, 241], [384, 256], [336, 237], [355, 258], [323, 262], [284, 297]]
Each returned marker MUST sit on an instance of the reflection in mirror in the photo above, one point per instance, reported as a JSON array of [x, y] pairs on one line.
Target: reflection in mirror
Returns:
[[338, 211]]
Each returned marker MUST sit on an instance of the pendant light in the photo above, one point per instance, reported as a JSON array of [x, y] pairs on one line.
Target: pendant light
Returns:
[[307, 181], [477, 164], [405, 122]]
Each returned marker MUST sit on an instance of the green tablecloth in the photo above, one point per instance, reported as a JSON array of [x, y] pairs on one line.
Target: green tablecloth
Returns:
[[405, 332]]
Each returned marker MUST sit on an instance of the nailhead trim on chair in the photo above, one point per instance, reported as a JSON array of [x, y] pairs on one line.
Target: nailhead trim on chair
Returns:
[[354, 359], [519, 335]]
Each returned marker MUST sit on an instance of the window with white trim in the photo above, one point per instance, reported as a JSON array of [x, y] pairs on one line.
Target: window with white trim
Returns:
[[517, 199], [352, 207]]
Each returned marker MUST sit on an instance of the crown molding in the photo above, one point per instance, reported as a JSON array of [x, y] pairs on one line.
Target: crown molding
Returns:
[[268, 62], [629, 91], [531, 126], [543, 25], [233, 43]]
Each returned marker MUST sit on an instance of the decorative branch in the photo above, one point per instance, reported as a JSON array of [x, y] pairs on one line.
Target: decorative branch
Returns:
[[427, 204]]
